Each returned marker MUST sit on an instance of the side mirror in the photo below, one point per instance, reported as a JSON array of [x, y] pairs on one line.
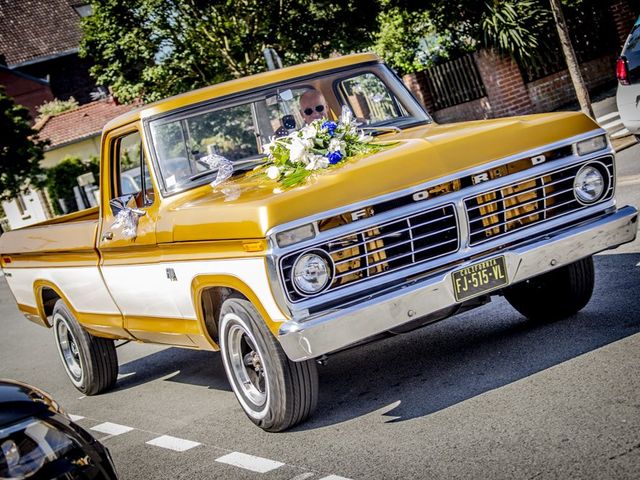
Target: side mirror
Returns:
[[126, 214], [126, 204]]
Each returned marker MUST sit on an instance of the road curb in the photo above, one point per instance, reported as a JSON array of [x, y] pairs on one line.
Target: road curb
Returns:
[[623, 143]]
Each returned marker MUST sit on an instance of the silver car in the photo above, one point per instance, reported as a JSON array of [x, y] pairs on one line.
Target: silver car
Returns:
[[628, 73]]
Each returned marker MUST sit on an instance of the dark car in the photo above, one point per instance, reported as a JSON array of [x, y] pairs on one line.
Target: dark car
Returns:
[[38, 440]]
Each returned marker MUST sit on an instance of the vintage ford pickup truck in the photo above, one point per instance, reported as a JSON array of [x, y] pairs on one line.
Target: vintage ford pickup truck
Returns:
[[435, 223]]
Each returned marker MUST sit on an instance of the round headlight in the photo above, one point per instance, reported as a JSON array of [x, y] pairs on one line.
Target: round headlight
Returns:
[[311, 272], [589, 184]]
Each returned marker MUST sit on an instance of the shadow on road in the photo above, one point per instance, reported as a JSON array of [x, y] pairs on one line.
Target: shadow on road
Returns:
[[419, 373], [188, 366], [447, 363]]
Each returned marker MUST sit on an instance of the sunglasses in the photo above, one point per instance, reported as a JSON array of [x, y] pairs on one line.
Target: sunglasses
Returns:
[[309, 111]]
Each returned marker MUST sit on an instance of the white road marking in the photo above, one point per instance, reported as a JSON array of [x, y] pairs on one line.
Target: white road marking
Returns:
[[608, 116], [334, 477], [83, 396], [629, 180], [75, 418], [607, 126], [249, 462], [173, 443], [303, 476], [111, 428]]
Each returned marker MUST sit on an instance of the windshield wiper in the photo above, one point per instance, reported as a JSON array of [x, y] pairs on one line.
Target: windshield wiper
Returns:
[[237, 168], [381, 129]]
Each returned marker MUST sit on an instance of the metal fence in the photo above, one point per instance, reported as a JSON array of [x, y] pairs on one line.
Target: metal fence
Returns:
[[457, 81]]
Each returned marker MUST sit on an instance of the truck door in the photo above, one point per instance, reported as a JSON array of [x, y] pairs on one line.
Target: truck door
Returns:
[[130, 259]]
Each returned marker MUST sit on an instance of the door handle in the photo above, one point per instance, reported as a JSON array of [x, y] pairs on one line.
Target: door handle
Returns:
[[107, 236]]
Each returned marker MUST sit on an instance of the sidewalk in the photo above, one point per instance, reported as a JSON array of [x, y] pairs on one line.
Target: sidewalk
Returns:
[[606, 112]]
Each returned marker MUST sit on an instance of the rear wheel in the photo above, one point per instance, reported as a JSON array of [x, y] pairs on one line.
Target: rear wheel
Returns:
[[273, 391], [90, 362], [554, 295]]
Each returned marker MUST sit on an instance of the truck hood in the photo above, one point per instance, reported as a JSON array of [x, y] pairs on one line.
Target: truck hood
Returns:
[[248, 207]]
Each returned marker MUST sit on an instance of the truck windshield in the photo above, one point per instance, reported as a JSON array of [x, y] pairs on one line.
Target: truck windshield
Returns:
[[238, 130]]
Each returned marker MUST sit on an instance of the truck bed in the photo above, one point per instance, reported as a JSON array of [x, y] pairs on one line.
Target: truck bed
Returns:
[[69, 233]]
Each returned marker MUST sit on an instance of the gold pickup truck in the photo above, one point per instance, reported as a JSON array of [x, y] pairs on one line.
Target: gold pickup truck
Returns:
[[435, 222]]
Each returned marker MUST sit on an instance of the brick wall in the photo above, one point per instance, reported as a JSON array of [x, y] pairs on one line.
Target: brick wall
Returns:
[[473, 110], [506, 92], [417, 83], [624, 13], [554, 91]]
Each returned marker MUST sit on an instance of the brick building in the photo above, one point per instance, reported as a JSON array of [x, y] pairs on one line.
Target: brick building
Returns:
[[40, 39], [25, 90]]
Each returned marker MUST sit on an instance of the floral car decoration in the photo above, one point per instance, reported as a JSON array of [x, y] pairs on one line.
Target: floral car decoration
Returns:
[[317, 146]]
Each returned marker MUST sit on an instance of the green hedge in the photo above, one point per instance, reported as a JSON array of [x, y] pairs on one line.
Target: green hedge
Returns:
[[64, 176]]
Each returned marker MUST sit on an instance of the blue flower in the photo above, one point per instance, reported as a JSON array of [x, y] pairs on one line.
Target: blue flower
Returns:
[[334, 157], [330, 126]]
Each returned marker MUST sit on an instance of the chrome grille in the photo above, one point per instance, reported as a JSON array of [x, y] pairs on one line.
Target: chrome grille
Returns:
[[503, 210], [384, 248]]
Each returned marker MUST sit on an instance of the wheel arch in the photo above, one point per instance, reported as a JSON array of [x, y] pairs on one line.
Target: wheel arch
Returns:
[[210, 291], [47, 294]]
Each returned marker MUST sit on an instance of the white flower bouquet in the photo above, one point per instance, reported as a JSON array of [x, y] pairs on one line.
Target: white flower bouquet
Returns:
[[319, 145]]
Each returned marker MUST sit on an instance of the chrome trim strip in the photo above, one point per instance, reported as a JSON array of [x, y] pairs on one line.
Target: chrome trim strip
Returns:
[[341, 327]]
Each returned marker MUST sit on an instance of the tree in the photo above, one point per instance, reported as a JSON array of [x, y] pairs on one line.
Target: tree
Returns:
[[518, 28], [572, 63], [20, 150], [154, 48], [408, 40]]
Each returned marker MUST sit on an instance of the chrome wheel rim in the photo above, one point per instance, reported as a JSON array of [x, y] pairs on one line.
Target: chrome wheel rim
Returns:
[[247, 365], [69, 350]]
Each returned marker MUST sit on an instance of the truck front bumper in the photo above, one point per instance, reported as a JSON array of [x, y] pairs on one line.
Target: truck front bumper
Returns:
[[332, 330]]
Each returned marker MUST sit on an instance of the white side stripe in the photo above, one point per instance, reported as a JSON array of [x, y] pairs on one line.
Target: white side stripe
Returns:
[[75, 418], [249, 462], [173, 443], [111, 428]]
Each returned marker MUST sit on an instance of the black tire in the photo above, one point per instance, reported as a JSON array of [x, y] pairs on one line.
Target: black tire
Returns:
[[554, 295], [280, 393], [91, 362]]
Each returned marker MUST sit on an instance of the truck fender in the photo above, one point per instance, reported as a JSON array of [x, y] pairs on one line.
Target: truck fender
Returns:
[[223, 285]]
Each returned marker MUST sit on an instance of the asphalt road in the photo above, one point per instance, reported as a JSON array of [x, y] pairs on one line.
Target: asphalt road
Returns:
[[482, 395]]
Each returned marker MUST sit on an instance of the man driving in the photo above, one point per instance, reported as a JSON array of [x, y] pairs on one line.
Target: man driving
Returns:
[[313, 106]]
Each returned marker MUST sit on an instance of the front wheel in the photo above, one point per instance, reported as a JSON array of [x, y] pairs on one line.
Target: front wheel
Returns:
[[554, 295], [273, 391], [90, 362]]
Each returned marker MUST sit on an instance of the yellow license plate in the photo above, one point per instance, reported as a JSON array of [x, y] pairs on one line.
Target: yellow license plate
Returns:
[[479, 278]]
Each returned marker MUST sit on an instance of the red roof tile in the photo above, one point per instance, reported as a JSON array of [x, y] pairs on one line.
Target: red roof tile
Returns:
[[31, 29], [83, 122]]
